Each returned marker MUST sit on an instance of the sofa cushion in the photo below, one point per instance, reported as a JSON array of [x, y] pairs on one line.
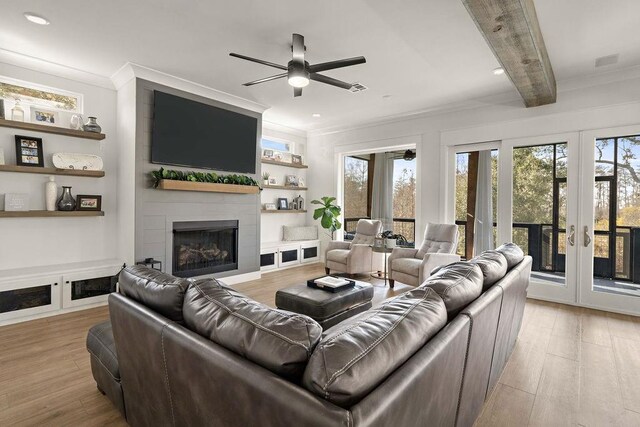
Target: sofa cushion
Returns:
[[357, 355], [493, 265], [338, 255], [457, 284], [159, 291], [512, 253], [277, 340], [409, 266]]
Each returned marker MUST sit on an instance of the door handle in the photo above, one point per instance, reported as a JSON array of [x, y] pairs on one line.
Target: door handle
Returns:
[[572, 235], [587, 238]]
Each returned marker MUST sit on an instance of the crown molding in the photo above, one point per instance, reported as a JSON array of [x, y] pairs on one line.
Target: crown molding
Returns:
[[283, 128], [36, 64], [131, 70]]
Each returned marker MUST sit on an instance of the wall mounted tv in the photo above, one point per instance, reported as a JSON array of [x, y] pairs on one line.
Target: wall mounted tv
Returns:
[[193, 134]]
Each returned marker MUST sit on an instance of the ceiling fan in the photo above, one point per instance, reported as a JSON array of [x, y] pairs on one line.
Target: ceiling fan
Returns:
[[299, 72], [409, 155]]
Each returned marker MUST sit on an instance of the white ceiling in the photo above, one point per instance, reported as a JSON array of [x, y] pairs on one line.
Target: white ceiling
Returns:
[[424, 54]]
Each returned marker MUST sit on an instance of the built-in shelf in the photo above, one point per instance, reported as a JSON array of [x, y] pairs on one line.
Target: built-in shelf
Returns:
[[290, 165], [167, 184], [40, 214], [284, 211], [51, 171], [51, 129], [285, 187]]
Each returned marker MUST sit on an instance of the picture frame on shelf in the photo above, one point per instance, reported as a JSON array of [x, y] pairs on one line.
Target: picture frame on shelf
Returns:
[[270, 207], [296, 159], [283, 204], [273, 180], [286, 158], [89, 202], [267, 154], [291, 181], [29, 151], [45, 117]]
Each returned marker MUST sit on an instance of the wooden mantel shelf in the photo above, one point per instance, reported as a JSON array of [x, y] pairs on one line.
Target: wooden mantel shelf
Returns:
[[167, 184], [40, 214], [51, 171], [285, 187], [281, 211], [51, 129], [276, 162]]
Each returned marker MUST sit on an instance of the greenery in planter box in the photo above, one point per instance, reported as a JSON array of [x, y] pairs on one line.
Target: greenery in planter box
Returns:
[[206, 177]]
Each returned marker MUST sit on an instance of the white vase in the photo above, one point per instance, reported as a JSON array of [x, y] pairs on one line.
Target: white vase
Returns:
[[51, 194]]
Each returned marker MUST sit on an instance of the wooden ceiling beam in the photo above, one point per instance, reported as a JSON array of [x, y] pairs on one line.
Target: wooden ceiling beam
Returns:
[[511, 29]]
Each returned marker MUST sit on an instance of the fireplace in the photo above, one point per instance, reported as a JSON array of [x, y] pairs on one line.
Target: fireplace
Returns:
[[204, 247]]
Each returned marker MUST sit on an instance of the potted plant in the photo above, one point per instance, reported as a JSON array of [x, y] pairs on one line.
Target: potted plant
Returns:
[[265, 178], [328, 213]]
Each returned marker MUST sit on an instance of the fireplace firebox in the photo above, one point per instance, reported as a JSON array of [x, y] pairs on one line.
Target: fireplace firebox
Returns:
[[204, 247]]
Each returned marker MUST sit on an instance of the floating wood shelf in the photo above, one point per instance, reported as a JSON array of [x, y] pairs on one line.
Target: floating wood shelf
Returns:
[[51, 171], [51, 129], [290, 165], [282, 211], [39, 214], [284, 187], [167, 184]]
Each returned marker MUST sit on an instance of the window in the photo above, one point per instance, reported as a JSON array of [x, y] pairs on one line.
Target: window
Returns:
[[31, 94], [283, 147], [356, 191], [404, 198]]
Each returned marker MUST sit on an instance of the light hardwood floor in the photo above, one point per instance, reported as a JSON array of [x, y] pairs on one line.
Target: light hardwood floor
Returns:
[[570, 366]]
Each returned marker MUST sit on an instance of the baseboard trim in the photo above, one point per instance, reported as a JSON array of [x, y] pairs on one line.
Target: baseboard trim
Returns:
[[51, 313], [575, 304]]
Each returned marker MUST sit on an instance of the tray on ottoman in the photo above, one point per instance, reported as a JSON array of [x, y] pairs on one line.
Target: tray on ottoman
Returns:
[[327, 308]]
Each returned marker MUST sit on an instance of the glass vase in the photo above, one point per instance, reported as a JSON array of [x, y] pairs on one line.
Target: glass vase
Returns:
[[66, 202], [92, 126]]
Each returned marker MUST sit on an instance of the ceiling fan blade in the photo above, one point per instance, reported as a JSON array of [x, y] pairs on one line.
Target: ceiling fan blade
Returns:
[[330, 81], [336, 64], [297, 47], [297, 91], [266, 79], [259, 61]]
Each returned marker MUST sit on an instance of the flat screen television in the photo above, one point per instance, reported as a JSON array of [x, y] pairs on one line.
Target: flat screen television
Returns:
[[193, 134]]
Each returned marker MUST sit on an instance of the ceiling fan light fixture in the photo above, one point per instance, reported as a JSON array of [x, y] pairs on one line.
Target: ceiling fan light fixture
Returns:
[[298, 80], [36, 19], [498, 71]]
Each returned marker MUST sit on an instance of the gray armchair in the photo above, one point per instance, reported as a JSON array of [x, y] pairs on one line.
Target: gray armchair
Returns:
[[413, 266], [353, 257]]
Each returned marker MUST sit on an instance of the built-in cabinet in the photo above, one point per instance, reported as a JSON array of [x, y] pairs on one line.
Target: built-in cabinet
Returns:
[[276, 255], [28, 294]]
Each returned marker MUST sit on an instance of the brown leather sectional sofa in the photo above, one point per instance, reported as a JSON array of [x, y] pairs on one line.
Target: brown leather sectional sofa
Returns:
[[198, 353]]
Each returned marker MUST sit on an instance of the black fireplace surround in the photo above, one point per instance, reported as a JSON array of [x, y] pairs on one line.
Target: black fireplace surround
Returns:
[[204, 247]]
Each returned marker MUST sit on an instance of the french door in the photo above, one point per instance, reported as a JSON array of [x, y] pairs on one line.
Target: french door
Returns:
[[572, 202]]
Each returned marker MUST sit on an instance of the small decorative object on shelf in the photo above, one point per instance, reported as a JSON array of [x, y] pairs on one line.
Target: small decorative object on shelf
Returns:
[[267, 154], [296, 160], [273, 180], [291, 180], [29, 151], [89, 203], [283, 204], [50, 194], [151, 263], [66, 202], [17, 113], [16, 202], [44, 117], [265, 178], [301, 182], [299, 202], [270, 207], [76, 122], [77, 161], [92, 126], [293, 205]]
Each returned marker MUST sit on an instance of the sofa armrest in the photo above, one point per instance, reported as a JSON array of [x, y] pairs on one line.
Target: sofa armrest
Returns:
[[433, 260], [399, 253], [336, 244]]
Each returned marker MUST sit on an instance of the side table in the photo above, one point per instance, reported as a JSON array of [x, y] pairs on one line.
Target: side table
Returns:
[[386, 251]]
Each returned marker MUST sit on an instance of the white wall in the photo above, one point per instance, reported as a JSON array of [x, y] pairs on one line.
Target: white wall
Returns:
[[271, 224], [580, 106], [29, 242]]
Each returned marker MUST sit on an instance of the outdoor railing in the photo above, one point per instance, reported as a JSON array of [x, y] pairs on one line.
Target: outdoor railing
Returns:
[[403, 226]]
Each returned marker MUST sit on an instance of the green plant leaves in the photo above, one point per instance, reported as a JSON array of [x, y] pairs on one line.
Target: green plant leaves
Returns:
[[328, 213]]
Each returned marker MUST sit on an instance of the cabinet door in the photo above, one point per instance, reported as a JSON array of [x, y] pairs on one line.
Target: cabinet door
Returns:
[[289, 255], [309, 252], [268, 259], [28, 297], [89, 287]]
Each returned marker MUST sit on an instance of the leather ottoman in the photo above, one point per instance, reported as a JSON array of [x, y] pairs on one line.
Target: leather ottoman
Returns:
[[327, 308], [104, 363]]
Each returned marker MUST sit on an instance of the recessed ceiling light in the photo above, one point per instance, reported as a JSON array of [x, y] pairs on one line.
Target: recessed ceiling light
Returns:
[[315, 115], [36, 19], [498, 71], [386, 96]]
